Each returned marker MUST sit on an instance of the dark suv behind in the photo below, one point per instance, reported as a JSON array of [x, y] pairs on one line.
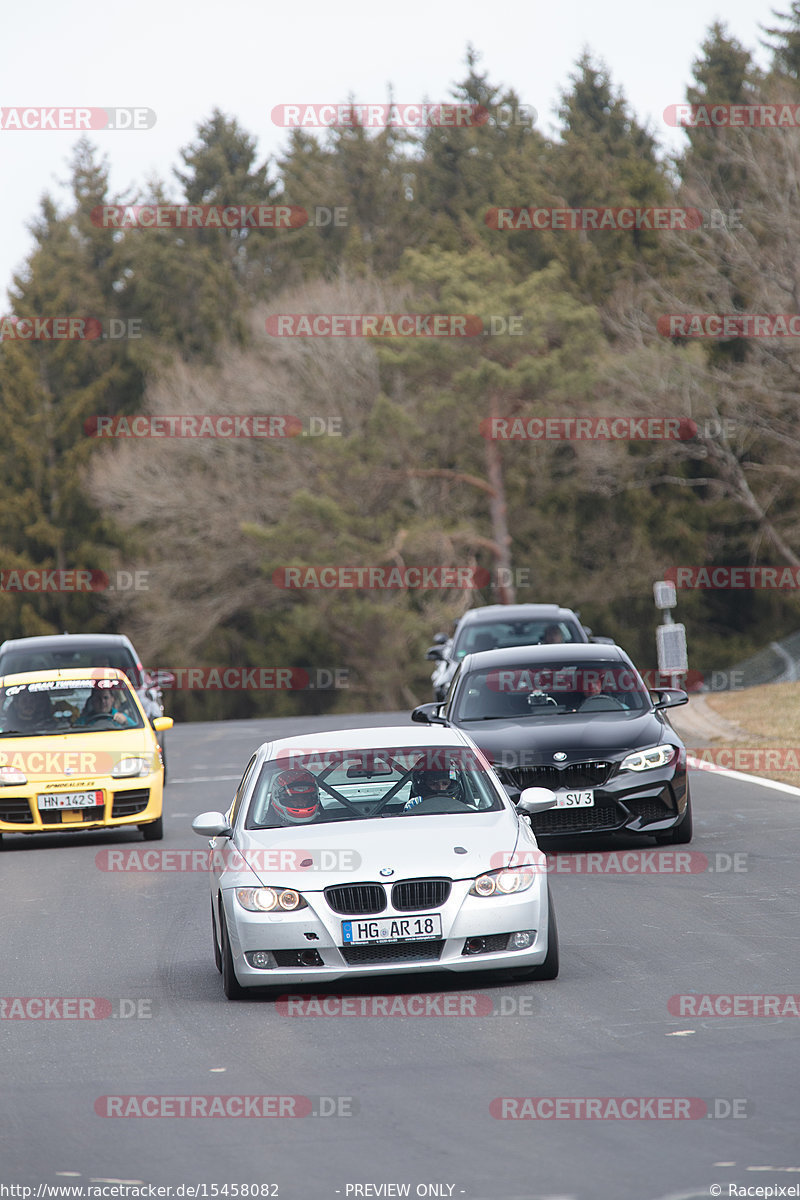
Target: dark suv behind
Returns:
[[498, 625]]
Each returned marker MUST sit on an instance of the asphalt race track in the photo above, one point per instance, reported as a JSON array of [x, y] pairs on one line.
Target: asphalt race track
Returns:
[[408, 1100]]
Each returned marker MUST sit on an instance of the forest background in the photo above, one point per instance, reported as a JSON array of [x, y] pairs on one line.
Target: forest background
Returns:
[[403, 474]]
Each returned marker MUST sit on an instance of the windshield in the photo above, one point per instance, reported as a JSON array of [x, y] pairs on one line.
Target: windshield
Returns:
[[498, 634], [548, 690], [66, 706], [16, 662], [308, 787]]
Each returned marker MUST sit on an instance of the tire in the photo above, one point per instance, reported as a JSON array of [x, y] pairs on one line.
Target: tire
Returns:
[[153, 831], [230, 984], [217, 952], [549, 968], [681, 835]]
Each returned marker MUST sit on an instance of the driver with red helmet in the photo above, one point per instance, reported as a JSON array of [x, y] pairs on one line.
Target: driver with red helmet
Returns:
[[295, 798]]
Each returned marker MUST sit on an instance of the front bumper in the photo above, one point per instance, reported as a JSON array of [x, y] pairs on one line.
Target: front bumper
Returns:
[[649, 803], [318, 929], [132, 801]]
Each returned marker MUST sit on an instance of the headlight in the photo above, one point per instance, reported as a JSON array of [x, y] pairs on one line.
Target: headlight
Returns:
[[646, 760], [503, 883], [11, 777], [268, 899], [128, 767]]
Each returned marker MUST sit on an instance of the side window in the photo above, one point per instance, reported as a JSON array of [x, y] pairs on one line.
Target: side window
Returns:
[[240, 791]]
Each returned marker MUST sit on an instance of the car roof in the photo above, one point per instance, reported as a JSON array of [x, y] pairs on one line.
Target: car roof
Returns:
[[65, 673], [565, 653], [518, 612], [56, 641], [372, 737]]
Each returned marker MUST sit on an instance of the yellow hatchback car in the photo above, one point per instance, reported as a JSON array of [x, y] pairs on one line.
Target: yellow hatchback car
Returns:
[[78, 752]]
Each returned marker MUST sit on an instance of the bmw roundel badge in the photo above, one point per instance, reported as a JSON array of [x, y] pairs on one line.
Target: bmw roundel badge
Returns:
[[387, 871]]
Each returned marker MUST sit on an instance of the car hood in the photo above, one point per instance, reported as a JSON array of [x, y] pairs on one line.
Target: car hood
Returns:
[[598, 735], [82, 758], [356, 851]]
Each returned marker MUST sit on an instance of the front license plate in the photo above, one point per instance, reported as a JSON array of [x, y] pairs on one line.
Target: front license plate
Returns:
[[71, 800], [392, 929], [575, 799]]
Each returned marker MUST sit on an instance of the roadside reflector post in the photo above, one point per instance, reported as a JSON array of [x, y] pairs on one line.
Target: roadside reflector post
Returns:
[[673, 657]]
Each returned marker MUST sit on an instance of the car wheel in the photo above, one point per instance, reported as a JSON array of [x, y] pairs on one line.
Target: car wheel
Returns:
[[217, 952], [681, 834], [153, 831], [230, 984], [549, 968]]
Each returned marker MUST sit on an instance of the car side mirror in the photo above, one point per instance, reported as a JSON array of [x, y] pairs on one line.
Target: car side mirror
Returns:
[[669, 697], [535, 800], [435, 654], [212, 824], [162, 724], [439, 639], [428, 714]]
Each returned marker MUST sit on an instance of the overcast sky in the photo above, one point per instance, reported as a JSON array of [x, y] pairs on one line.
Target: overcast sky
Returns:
[[245, 57]]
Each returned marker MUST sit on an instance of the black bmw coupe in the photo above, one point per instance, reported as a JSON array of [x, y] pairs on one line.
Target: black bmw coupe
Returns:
[[579, 720]]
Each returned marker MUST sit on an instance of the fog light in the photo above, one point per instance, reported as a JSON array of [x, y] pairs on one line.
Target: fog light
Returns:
[[522, 940], [260, 958], [475, 945]]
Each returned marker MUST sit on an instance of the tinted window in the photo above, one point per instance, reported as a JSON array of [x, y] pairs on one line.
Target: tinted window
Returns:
[[550, 689], [491, 635]]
